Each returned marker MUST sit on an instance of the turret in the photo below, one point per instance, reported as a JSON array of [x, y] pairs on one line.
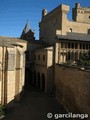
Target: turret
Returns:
[[64, 11], [77, 5], [44, 12], [81, 14], [27, 33]]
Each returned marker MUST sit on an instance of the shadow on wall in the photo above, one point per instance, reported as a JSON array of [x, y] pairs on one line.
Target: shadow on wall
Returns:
[[28, 77], [35, 79], [9, 108], [38, 81], [41, 78], [73, 88]]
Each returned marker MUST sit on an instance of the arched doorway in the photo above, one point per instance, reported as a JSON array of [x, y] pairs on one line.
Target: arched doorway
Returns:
[[27, 77], [34, 79], [30, 76], [43, 82], [38, 80]]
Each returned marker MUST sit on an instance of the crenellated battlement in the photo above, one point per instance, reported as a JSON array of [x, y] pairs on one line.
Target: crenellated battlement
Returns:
[[81, 14]]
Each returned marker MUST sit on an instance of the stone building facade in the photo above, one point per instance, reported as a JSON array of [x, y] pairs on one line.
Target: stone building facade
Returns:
[[69, 39], [62, 42], [43, 69], [71, 47], [56, 22], [12, 69]]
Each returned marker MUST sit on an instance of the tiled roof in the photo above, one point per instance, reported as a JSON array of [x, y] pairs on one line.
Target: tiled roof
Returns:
[[75, 36], [9, 42]]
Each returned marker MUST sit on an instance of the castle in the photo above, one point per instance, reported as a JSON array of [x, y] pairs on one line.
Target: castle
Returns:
[[50, 59]]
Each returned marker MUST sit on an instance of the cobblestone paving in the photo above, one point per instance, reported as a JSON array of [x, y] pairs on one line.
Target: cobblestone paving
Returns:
[[34, 106]]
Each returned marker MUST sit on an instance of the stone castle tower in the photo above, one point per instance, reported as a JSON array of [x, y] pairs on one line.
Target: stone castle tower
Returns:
[[56, 22], [81, 14], [27, 33]]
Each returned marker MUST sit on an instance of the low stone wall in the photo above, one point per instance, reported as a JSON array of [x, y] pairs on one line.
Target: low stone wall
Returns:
[[73, 88]]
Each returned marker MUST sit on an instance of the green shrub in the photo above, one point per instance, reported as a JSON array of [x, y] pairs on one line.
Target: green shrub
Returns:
[[84, 59], [1, 110]]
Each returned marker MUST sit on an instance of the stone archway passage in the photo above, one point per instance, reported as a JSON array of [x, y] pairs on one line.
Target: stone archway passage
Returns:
[[43, 82], [34, 83], [30, 77], [38, 82]]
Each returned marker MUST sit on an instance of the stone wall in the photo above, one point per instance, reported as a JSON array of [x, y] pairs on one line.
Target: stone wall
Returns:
[[73, 88], [10, 86], [48, 74], [39, 57], [43, 65], [52, 22], [81, 14], [44, 56], [31, 47], [12, 72], [76, 27]]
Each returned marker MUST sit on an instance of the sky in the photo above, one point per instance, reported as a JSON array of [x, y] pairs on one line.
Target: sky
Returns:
[[15, 13]]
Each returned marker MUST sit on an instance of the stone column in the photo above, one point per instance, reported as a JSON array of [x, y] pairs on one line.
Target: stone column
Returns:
[[70, 54], [41, 83], [78, 55], [74, 56], [67, 56], [56, 53], [37, 80]]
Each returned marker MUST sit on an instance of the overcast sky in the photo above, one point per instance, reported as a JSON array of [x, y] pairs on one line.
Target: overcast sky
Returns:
[[15, 13]]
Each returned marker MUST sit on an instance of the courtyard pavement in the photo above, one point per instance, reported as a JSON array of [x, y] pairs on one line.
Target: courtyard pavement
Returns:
[[34, 106]]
